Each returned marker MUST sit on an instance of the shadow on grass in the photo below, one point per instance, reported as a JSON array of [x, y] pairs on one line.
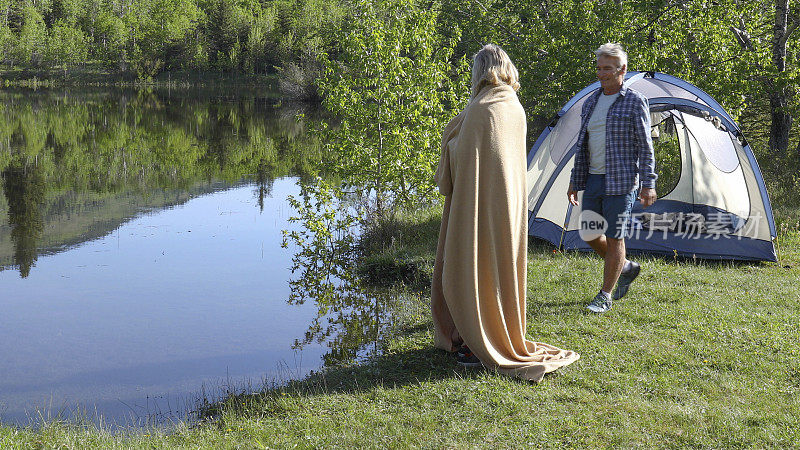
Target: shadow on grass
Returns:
[[403, 368], [556, 305]]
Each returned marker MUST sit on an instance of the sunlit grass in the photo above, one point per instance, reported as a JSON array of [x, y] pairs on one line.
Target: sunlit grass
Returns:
[[699, 354]]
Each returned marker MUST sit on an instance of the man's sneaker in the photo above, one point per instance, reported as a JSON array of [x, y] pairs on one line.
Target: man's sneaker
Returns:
[[625, 280], [600, 304], [466, 358]]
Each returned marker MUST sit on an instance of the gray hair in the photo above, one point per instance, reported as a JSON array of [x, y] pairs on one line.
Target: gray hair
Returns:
[[492, 66], [613, 50]]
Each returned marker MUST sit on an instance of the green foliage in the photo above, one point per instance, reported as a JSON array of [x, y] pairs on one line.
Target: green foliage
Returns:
[[226, 30], [392, 89], [66, 46], [24, 188], [668, 162], [111, 36], [31, 38], [552, 43], [7, 42], [162, 30], [258, 40], [148, 36], [56, 146], [67, 11], [724, 46]]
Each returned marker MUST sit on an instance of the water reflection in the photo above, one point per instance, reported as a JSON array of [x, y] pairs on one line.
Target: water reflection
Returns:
[[146, 232], [24, 189], [111, 144], [353, 326], [351, 317], [138, 322]]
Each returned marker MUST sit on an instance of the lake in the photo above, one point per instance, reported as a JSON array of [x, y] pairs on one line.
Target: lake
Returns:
[[141, 267]]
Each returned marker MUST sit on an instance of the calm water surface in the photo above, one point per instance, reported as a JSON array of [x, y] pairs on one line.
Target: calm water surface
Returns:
[[137, 322], [141, 265]]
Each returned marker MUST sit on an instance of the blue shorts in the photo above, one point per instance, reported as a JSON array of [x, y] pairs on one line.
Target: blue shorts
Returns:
[[615, 209]]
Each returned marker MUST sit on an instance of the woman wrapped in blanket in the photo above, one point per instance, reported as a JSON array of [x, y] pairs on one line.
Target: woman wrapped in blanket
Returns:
[[479, 287]]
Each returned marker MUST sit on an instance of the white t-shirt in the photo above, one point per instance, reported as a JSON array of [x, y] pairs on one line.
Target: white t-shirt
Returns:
[[597, 133]]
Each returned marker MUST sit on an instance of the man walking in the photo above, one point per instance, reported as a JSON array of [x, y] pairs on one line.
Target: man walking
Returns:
[[614, 156]]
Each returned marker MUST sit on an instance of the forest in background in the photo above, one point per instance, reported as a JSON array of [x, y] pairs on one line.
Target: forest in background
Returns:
[[143, 38], [394, 71], [390, 54]]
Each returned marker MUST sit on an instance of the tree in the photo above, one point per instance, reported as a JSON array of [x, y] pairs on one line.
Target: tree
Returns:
[[7, 42], [66, 45], [7, 38], [111, 37], [158, 26], [66, 11], [32, 36], [226, 30], [392, 88], [743, 53], [779, 88], [258, 40]]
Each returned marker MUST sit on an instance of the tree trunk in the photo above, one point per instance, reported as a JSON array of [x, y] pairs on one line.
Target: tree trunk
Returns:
[[781, 121], [379, 176], [778, 98]]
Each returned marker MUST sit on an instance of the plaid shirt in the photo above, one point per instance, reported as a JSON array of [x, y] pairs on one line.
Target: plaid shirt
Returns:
[[629, 147]]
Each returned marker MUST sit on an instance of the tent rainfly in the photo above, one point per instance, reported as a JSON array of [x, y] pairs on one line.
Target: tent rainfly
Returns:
[[713, 203]]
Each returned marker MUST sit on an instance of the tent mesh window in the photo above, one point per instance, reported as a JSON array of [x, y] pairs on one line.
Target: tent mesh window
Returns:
[[667, 152]]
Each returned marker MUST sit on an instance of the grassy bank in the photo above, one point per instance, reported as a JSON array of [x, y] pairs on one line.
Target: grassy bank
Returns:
[[698, 354]]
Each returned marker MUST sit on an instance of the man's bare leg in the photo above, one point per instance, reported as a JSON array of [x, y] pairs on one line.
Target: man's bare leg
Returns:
[[599, 245], [614, 262], [613, 253]]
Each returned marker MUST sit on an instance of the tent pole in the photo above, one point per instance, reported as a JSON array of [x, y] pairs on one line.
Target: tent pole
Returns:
[[564, 230]]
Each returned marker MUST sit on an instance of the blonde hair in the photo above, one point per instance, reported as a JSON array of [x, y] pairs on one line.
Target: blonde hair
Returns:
[[613, 50], [492, 66]]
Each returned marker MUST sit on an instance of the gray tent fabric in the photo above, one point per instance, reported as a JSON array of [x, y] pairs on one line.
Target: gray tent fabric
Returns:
[[716, 205]]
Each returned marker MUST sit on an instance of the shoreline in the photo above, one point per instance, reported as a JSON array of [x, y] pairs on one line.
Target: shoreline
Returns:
[[97, 75]]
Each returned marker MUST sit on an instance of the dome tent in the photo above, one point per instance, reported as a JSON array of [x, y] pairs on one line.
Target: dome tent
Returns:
[[715, 205]]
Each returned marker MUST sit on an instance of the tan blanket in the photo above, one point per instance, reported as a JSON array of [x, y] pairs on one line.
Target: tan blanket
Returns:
[[480, 276]]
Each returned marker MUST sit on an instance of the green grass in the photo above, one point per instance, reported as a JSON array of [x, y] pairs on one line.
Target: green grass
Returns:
[[698, 354]]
